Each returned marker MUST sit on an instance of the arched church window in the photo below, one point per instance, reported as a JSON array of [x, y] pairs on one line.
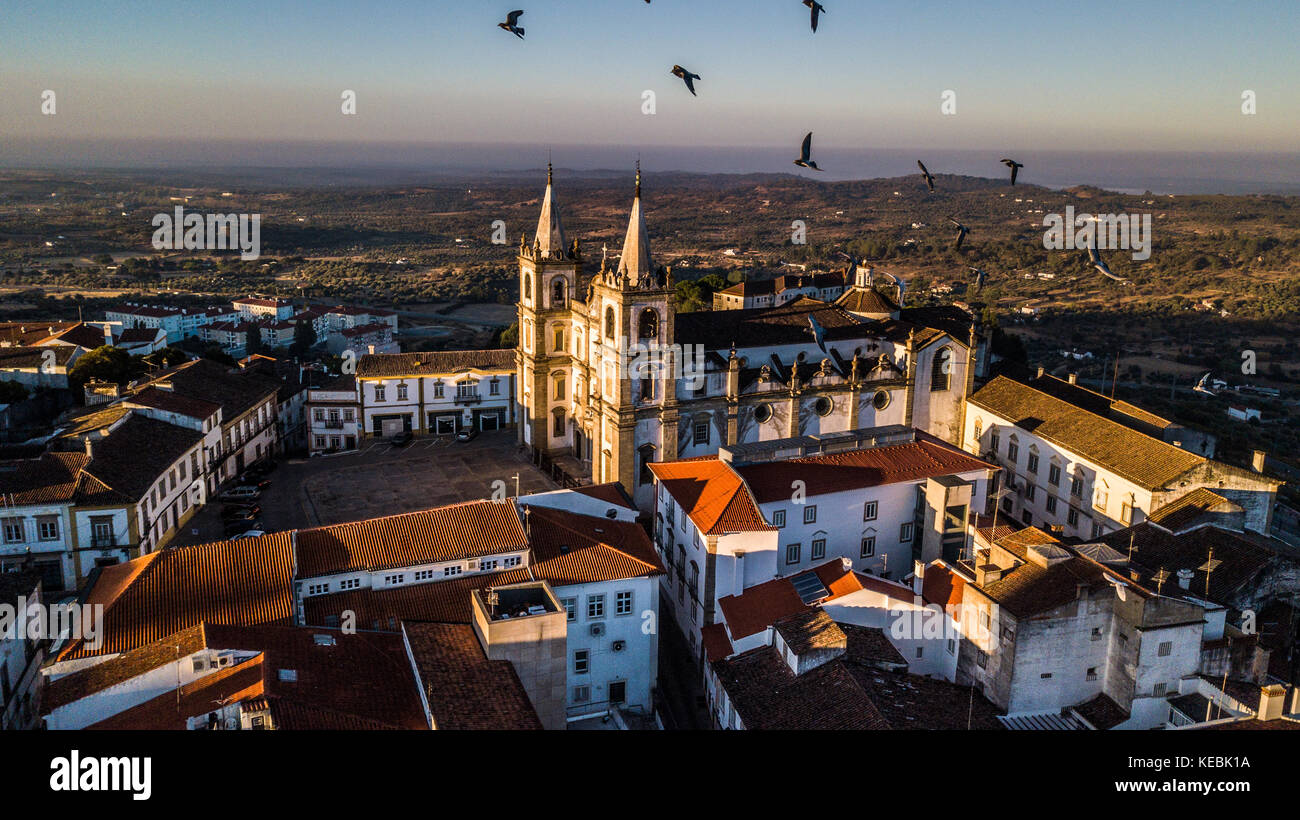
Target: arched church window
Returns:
[[559, 339], [941, 372], [649, 324], [646, 454], [558, 293], [528, 285], [609, 323]]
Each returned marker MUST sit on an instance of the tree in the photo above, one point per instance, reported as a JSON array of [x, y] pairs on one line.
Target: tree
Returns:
[[110, 364], [254, 341], [304, 338], [509, 336], [12, 392]]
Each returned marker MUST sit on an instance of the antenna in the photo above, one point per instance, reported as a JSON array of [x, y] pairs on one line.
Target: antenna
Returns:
[[1209, 566], [492, 599]]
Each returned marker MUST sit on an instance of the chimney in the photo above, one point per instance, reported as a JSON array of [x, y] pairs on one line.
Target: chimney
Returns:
[[1041, 372], [370, 349], [90, 446], [1271, 700], [1185, 578], [918, 577], [1074, 378], [1257, 460], [528, 530], [738, 586]]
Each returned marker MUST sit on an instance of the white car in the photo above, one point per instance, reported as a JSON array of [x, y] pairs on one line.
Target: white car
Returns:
[[249, 534], [241, 494]]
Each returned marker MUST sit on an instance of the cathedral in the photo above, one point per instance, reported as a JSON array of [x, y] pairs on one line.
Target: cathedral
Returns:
[[593, 400]]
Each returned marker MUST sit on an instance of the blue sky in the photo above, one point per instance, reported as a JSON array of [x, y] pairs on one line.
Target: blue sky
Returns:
[[1106, 74]]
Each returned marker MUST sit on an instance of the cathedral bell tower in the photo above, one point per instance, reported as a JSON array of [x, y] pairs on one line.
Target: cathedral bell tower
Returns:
[[631, 311], [548, 276]]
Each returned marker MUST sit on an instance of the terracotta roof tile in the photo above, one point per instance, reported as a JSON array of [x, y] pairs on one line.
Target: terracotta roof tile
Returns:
[[465, 690], [474, 528], [390, 365], [712, 494]]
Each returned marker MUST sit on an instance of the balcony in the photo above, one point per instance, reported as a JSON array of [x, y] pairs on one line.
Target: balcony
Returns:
[[469, 398], [334, 424]]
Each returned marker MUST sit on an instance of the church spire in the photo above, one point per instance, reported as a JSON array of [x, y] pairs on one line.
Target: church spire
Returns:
[[550, 231], [635, 262]]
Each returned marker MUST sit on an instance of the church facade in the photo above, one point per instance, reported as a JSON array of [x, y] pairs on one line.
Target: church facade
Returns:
[[612, 378]]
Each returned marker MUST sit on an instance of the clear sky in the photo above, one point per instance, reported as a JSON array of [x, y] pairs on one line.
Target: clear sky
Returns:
[[1028, 75]]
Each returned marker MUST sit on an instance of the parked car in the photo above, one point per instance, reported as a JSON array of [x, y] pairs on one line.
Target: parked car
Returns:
[[401, 439], [233, 528], [248, 534], [250, 480], [468, 434], [237, 513], [261, 469], [240, 494]]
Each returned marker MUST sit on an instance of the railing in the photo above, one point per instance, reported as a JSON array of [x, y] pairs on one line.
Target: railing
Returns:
[[334, 424], [472, 398], [103, 542]]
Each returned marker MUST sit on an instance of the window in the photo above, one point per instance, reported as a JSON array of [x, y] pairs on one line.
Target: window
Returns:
[[595, 606], [1054, 475], [559, 388], [1072, 517], [810, 514], [905, 533], [512, 561], [47, 527], [13, 530], [1027, 517], [778, 518], [1013, 450], [920, 652], [581, 662], [494, 387], [439, 390], [557, 428], [1097, 530], [1100, 497], [319, 414], [317, 589], [1166, 649], [581, 694], [1033, 462], [868, 546], [646, 454], [570, 607], [350, 583], [448, 572], [762, 413], [609, 323], [952, 646], [1092, 673], [993, 442], [648, 326], [1158, 690], [701, 432], [1030, 491], [623, 603], [941, 372], [818, 549], [1046, 676], [403, 392], [1051, 504], [424, 575], [392, 580], [1126, 511], [379, 392], [870, 510], [557, 293], [792, 553], [1076, 486]]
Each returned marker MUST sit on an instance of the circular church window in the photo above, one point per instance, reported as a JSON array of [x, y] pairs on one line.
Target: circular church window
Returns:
[[762, 413], [881, 400], [823, 406]]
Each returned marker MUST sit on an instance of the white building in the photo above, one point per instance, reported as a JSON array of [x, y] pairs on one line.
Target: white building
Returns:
[[878, 499], [333, 416], [256, 308], [438, 393], [1093, 470]]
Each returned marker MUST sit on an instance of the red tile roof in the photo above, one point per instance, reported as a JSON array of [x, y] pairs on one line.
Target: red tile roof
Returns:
[[471, 529], [712, 494], [465, 690], [762, 605], [245, 582], [926, 457], [51, 479], [579, 549]]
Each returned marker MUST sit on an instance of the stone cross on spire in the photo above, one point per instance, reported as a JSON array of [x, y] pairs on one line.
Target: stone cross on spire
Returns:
[[550, 231], [635, 261]]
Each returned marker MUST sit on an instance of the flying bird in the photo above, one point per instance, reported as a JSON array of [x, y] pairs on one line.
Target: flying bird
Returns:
[[979, 278], [805, 158], [1203, 386], [851, 273], [687, 77], [1103, 268], [1014, 166], [510, 24], [818, 332], [817, 9], [962, 230], [929, 177]]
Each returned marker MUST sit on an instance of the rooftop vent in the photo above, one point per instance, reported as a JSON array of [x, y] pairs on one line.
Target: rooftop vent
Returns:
[[324, 640], [289, 675]]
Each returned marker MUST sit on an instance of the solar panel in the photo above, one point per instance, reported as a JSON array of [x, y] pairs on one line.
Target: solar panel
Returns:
[[810, 588]]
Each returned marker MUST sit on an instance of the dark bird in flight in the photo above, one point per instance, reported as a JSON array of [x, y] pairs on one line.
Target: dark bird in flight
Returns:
[[929, 177], [1103, 268], [1014, 166], [817, 9], [687, 77], [1203, 386], [509, 25], [962, 230], [979, 278], [805, 158], [854, 262]]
